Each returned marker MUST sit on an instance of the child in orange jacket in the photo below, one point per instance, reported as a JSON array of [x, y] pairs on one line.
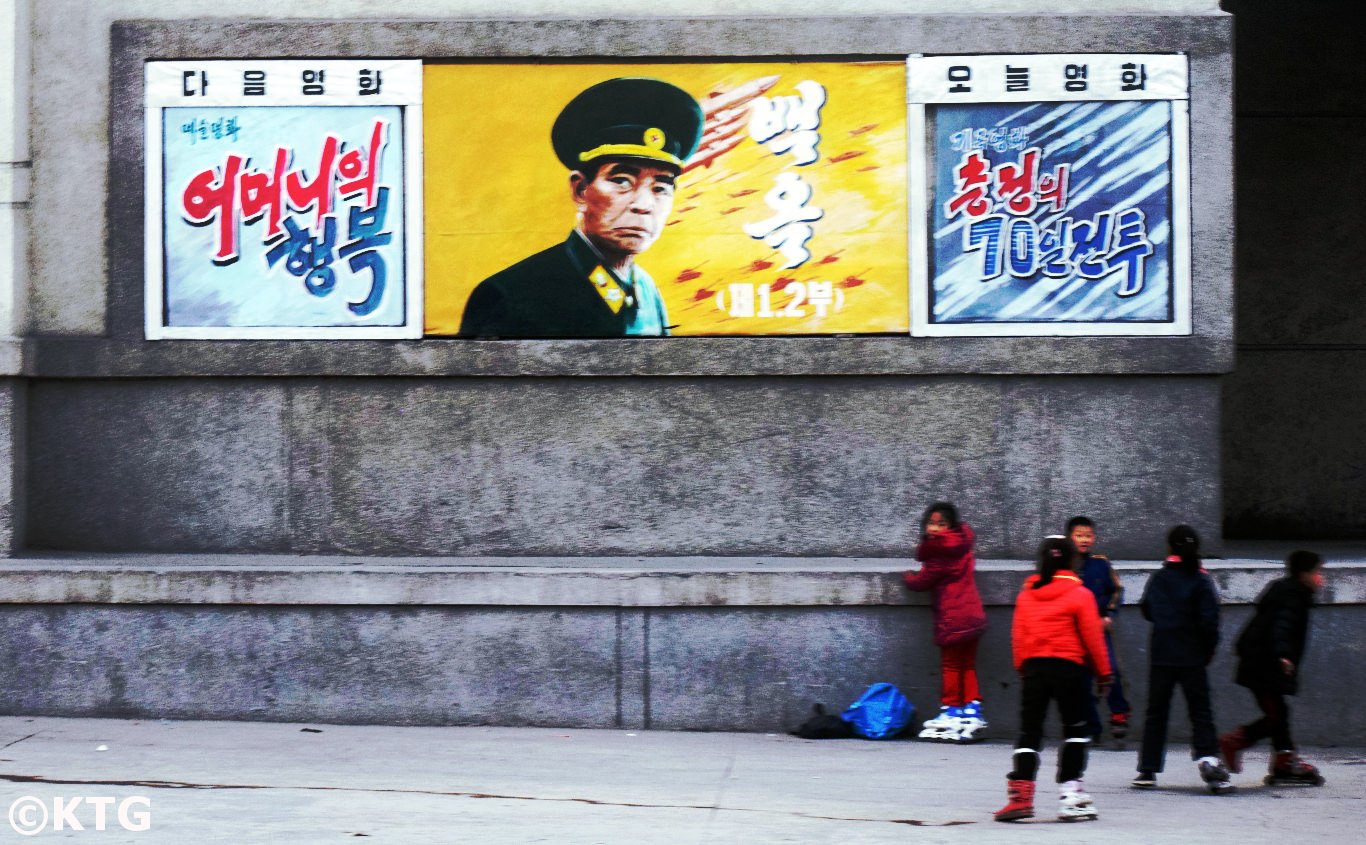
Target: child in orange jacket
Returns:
[[1058, 643]]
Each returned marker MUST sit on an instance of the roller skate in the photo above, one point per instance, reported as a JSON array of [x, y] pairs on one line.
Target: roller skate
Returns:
[[1019, 801], [1288, 769], [1119, 726], [1215, 776], [944, 727], [1074, 805], [970, 721], [1231, 747]]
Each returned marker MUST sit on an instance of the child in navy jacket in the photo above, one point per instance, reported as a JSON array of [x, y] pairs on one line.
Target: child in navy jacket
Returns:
[[1182, 603], [1100, 578]]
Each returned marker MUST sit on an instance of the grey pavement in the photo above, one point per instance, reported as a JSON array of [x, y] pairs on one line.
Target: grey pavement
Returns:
[[258, 782]]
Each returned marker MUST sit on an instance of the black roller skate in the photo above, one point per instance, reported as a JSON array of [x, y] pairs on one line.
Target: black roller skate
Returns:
[[1287, 769]]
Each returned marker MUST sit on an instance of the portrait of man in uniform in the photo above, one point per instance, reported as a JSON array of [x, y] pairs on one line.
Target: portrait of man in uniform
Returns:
[[625, 142]]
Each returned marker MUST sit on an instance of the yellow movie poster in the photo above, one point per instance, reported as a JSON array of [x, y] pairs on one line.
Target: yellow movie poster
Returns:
[[645, 200]]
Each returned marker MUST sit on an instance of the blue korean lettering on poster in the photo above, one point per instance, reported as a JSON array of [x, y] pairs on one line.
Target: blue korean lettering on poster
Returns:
[[1052, 212]]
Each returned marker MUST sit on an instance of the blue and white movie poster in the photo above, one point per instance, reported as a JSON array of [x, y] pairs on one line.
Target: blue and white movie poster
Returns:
[[279, 203], [1057, 198]]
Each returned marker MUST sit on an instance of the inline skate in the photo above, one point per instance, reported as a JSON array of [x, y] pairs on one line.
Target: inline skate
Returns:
[[1119, 726], [1074, 805], [1019, 801], [944, 727], [1231, 747], [1215, 776], [970, 722], [1288, 769]]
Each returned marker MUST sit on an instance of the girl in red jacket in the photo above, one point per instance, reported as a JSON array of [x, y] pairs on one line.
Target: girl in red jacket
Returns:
[[1055, 634], [959, 620]]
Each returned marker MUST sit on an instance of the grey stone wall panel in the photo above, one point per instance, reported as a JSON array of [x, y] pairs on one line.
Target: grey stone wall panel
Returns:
[[1127, 453], [173, 465], [388, 665], [583, 467]]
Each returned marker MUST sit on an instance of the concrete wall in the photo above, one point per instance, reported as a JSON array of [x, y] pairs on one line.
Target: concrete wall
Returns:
[[1294, 459], [15, 25], [792, 446], [789, 448]]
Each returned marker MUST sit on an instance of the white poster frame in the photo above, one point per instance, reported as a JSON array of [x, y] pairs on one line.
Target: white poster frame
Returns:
[[177, 83], [927, 77]]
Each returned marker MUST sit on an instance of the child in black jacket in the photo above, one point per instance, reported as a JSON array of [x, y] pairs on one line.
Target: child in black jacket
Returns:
[[1183, 605], [1269, 652]]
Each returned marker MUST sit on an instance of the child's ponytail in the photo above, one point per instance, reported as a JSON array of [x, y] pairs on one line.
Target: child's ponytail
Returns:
[[1055, 553], [1185, 544]]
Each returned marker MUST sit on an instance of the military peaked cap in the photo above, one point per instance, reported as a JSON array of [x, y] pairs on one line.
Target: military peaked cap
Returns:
[[629, 116]]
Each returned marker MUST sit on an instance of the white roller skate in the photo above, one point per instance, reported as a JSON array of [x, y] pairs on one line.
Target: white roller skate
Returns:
[[1215, 776], [944, 727], [970, 721], [1074, 804]]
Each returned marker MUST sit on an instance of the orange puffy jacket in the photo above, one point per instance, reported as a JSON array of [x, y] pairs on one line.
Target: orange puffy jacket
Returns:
[[1059, 620]]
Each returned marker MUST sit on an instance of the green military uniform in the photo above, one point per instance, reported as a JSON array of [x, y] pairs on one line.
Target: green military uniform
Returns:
[[564, 291]]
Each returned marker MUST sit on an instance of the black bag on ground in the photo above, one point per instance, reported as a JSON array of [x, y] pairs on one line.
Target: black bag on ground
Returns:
[[824, 725]]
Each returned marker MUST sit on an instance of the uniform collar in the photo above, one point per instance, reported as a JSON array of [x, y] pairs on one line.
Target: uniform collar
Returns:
[[586, 258]]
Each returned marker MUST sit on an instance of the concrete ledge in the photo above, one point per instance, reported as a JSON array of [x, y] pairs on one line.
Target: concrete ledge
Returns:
[[870, 355], [559, 582]]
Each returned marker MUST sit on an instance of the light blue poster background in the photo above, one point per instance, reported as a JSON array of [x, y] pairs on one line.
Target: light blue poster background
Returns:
[[249, 292], [1120, 158]]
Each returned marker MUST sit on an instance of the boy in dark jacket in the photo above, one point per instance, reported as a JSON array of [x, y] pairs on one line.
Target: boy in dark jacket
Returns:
[[1269, 651], [1100, 578], [1183, 605]]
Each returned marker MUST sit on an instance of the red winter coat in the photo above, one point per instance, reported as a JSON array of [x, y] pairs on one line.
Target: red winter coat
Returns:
[[948, 571], [1059, 620]]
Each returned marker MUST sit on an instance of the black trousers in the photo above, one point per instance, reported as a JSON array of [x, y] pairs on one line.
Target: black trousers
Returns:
[[1047, 679], [1275, 721], [1162, 682]]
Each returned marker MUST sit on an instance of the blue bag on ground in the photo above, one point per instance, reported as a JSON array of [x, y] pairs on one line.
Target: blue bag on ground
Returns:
[[880, 713]]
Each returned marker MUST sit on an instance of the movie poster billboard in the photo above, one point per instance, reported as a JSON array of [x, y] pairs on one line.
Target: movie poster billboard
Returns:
[[282, 199], [739, 198], [1056, 197]]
